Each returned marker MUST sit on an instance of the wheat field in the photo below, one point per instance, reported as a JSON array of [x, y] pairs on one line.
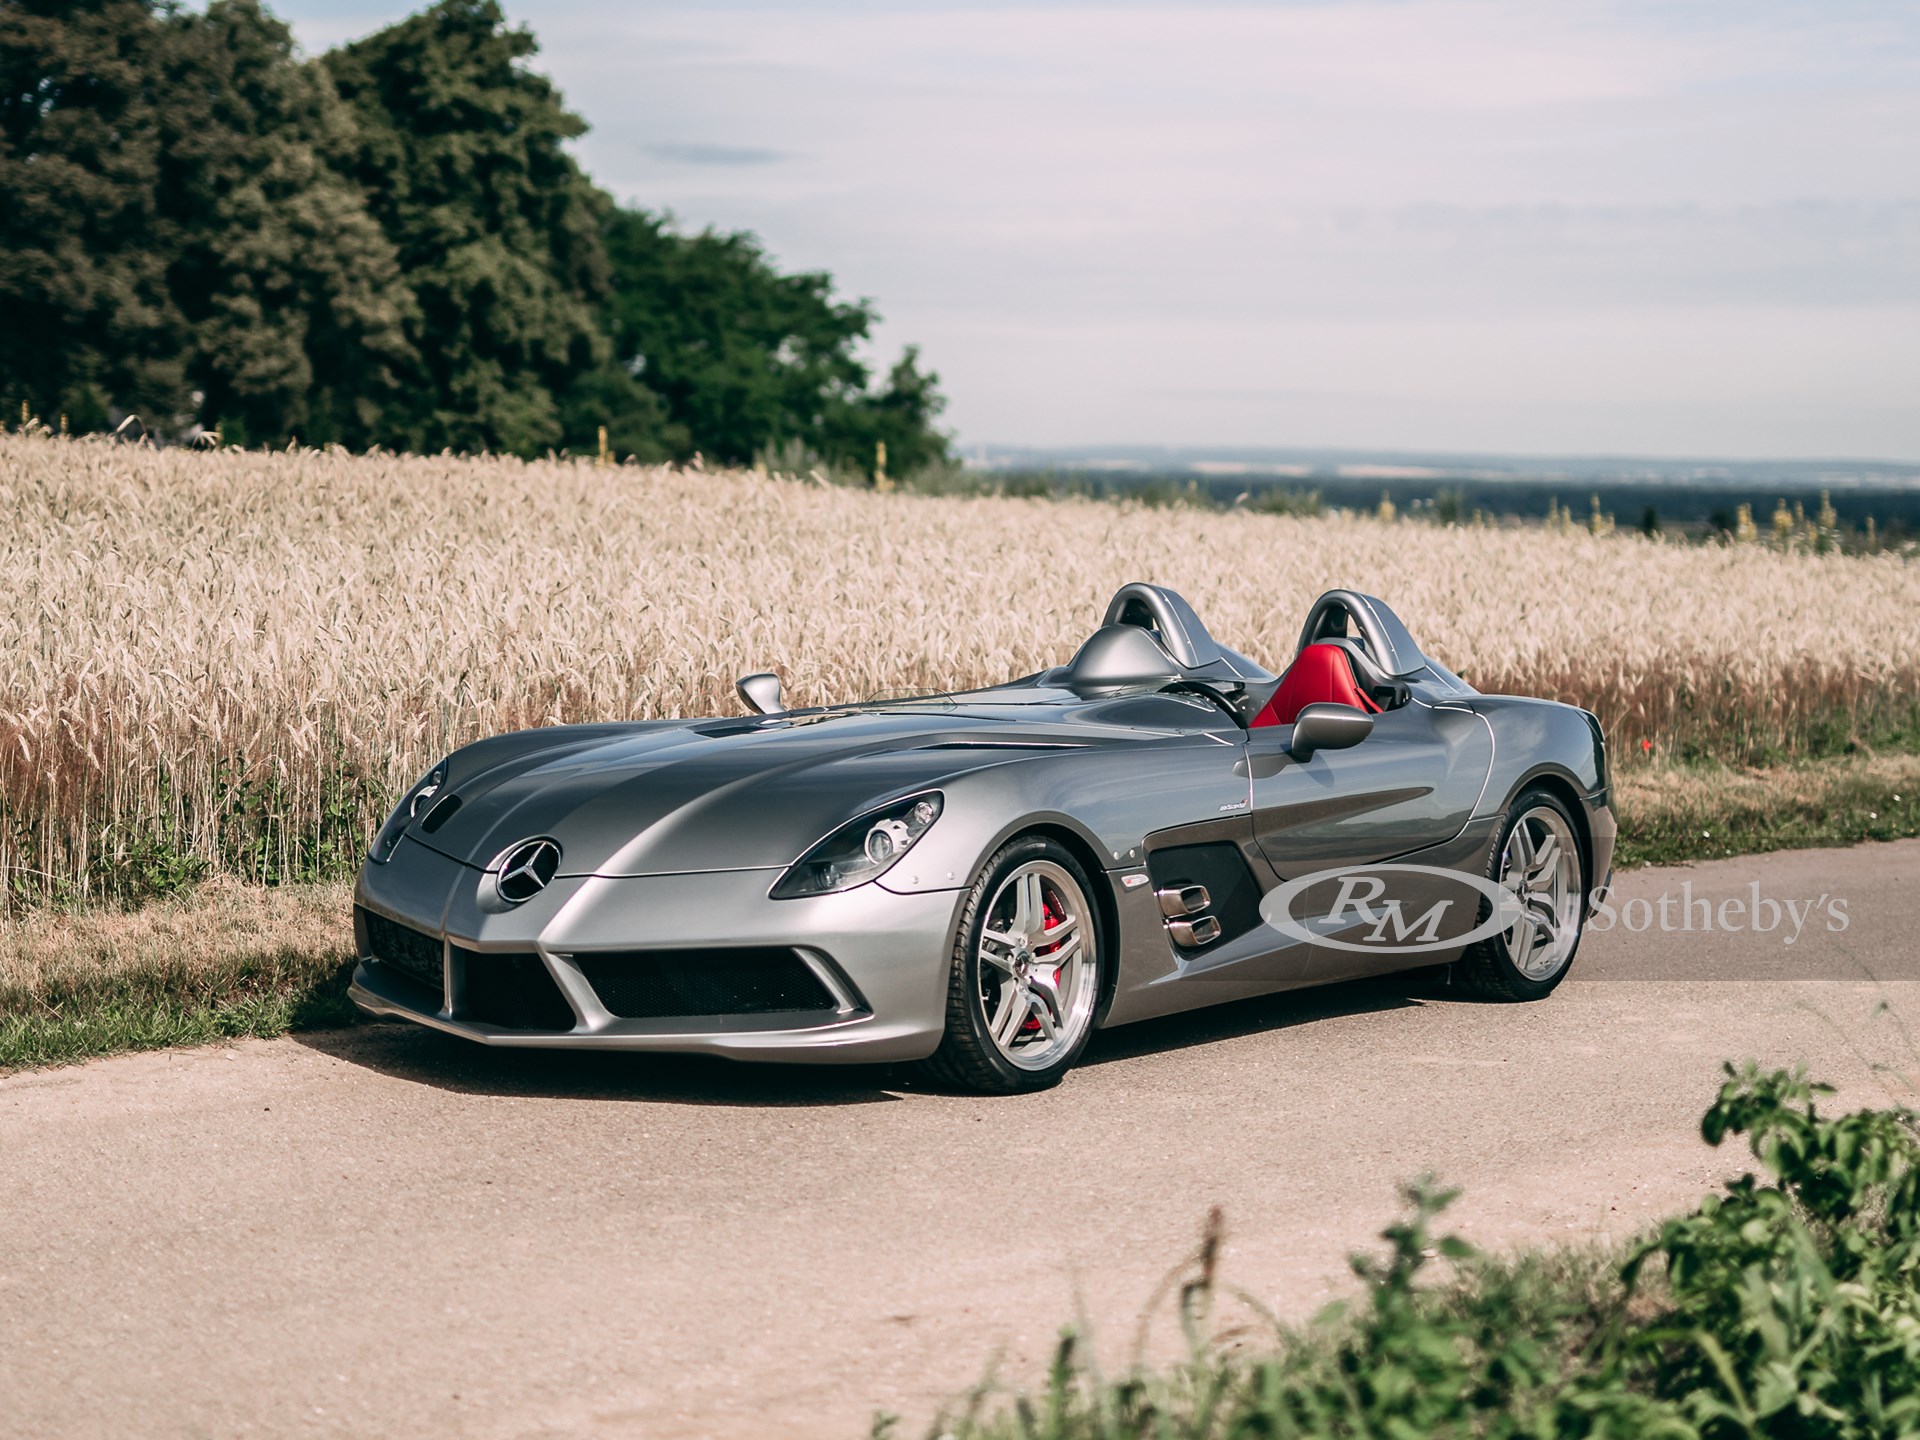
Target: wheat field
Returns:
[[227, 663]]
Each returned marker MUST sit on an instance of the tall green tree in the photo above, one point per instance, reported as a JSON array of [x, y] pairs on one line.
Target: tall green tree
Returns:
[[292, 291], [461, 155], [86, 313], [389, 246], [173, 239], [901, 415], [747, 358]]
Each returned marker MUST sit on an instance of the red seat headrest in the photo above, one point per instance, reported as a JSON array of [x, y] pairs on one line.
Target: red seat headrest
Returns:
[[1320, 674]]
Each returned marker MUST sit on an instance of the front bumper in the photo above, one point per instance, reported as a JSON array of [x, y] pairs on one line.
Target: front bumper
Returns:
[[881, 959]]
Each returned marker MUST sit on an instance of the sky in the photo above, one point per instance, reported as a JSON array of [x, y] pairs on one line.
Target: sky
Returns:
[[1679, 228]]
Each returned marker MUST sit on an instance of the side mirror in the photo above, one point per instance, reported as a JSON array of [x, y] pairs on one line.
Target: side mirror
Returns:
[[761, 693], [1328, 727]]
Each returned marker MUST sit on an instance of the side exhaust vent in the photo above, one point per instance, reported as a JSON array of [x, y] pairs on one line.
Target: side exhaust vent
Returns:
[[1207, 895], [1183, 900], [1191, 934]]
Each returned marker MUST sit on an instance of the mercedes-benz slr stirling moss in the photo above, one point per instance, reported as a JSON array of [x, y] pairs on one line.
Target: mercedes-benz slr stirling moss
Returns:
[[979, 881]]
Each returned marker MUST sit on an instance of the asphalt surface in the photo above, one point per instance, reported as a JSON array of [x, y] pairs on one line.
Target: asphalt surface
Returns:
[[386, 1232]]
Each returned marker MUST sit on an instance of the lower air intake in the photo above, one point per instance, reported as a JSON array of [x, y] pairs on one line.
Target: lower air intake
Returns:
[[513, 991], [670, 984], [411, 953]]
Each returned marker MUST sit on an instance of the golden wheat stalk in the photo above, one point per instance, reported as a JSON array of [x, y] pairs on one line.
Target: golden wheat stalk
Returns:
[[226, 661]]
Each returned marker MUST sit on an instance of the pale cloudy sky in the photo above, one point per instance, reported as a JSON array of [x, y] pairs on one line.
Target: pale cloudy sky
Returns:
[[1689, 227]]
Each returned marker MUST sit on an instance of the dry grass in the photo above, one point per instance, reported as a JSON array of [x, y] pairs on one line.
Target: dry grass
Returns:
[[1672, 813], [224, 663], [226, 922], [235, 960]]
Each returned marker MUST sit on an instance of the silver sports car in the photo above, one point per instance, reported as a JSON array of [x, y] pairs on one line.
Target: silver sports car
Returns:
[[978, 881]]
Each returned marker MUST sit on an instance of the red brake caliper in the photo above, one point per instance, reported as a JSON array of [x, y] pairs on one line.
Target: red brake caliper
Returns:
[[1048, 920]]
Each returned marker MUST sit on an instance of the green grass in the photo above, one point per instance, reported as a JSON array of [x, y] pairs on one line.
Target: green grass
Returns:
[[1672, 815], [229, 961], [1786, 1305], [280, 994]]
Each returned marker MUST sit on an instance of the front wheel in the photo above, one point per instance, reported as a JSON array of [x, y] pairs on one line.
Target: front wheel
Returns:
[[1024, 977], [1537, 859]]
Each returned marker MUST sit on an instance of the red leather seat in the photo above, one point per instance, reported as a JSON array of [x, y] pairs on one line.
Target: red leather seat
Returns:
[[1320, 674]]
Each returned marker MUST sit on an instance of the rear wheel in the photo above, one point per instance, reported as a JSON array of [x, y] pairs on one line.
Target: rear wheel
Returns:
[[1025, 973], [1538, 861]]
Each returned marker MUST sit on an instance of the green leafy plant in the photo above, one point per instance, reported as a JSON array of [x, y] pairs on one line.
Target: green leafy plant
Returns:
[[1787, 1306], [1796, 1303]]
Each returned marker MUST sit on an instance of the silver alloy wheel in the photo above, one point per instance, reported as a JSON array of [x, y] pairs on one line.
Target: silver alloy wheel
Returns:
[[1541, 868], [1037, 972]]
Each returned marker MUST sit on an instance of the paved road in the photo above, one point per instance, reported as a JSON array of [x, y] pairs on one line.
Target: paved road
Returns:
[[382, 1232]]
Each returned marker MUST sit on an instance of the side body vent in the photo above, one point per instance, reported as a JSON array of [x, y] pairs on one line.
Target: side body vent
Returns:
[[1207, 894]]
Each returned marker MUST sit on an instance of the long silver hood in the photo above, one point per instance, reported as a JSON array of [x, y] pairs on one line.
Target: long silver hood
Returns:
[[688, 797]]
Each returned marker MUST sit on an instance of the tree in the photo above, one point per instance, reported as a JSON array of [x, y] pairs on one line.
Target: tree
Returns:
[[900, 416], [292, 292], [172, 239], [461, 155], [86, 314], [748, 359], [905, 412], [387, 246]]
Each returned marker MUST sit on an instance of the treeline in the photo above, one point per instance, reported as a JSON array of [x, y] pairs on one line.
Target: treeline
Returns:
[[385, 245]]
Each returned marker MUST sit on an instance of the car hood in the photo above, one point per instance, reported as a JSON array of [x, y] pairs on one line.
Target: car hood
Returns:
[[683, 797]]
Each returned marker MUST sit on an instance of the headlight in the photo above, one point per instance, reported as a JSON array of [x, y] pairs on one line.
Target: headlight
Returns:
[[860, 851], [411, 804]]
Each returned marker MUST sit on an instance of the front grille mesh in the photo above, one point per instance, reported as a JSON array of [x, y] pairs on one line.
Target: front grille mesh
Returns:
[[409, 952], [514, 991], [666, 984]]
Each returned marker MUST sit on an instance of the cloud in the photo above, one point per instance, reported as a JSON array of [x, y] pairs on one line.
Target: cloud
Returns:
[[693, 153]]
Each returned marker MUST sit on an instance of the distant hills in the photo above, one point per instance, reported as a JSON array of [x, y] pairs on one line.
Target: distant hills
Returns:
[[1421, 467]]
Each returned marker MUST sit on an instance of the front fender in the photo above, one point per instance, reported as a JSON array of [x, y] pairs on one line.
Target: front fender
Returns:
[[1112, 798]]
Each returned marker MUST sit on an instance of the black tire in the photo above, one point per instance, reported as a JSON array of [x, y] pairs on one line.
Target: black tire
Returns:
[[968, 1058], [1487, 969]]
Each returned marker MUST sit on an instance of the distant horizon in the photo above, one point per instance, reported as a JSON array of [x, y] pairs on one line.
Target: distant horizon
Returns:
[[1430, 457]]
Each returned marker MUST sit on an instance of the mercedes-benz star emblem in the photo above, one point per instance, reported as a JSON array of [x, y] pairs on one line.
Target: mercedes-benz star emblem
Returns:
[[527, 869]]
